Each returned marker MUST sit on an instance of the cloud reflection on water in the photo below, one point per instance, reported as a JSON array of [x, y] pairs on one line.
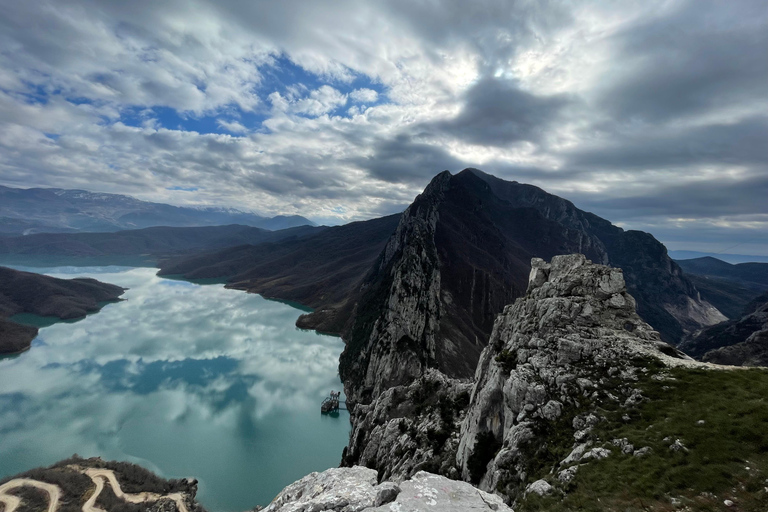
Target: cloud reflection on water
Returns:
[[185, 379]]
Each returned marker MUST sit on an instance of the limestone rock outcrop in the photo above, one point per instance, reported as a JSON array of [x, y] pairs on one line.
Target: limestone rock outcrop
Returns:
[[573, 341], [410, 428], [357, 489]]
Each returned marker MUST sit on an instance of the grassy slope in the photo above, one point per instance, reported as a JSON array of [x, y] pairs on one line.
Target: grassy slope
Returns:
[[727, 457]]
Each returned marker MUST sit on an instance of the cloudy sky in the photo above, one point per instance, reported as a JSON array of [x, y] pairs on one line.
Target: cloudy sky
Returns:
[[653, 114]]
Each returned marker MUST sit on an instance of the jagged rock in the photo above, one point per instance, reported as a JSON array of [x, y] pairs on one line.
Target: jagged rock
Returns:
[[624, 445], [574, 330], [678, 446], [410, 428], [356, 490], [540, 487], [596, 453], [645, 450], [568, 474]]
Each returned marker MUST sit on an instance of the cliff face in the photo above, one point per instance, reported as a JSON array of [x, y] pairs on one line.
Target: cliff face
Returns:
[[666, 299], [573, 342], [462, 251]]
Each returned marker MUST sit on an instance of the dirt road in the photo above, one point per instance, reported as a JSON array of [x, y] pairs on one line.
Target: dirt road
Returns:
[[12, 502]]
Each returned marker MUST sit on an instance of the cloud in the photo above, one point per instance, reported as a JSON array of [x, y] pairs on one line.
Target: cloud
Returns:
[[320, 101], [364, 95], [232, 126], [496, 112], [296, 107]]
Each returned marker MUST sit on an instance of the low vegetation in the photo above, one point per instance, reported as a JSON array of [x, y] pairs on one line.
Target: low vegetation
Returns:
[[719, 418]]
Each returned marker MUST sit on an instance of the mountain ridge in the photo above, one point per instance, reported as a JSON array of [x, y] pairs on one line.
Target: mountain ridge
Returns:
[[26, 211]]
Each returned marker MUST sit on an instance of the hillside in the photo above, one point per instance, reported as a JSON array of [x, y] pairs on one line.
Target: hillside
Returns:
[[26, 292], [752, 275], [52, 210], [576, 404], [321, 270], [729, 287], [740, 341]]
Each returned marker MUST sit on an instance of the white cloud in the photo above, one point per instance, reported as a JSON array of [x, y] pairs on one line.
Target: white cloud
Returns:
[[364, 96], [232, 126], [322, 143]]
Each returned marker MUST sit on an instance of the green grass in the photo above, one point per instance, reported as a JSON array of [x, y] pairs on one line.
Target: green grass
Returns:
[[733, 437]]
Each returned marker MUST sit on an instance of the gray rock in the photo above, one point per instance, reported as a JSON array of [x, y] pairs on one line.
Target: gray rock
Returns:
[[641, 452], [624, 445], [678, 446], [568, 474], [540, 487], [350, 489], [596, 453], [386, 493], [355, 490], [576, 454]]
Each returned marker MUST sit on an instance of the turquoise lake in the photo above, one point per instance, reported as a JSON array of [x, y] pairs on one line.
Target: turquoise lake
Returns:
[[181, 378]]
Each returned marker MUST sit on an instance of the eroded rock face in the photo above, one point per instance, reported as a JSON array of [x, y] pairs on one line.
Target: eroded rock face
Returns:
[[356, 490], [572, 340], [410, 428]]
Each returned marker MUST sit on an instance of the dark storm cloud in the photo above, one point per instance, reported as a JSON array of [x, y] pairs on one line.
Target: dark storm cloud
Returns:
[[403, 160], [713, 198], [495, 29], [704, 55], [496, 112], [641, 111], [743, 143]]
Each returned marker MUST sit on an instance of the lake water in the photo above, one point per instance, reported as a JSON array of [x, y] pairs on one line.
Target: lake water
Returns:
[[183, 379]]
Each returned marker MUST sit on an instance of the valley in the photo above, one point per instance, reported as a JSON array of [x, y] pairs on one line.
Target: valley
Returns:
[[493, 334]]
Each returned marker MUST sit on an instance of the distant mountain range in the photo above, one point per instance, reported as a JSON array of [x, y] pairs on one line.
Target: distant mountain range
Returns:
[[155, 241], [729, 258], [53, 210]]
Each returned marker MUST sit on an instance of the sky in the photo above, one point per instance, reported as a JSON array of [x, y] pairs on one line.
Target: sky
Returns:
[[652, 114]]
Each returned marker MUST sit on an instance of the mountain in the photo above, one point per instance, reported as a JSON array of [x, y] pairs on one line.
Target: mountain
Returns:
[[727, 286], [322, 270], [26, 292], [462, 252], [156, 241], [742, 341], [730, 258], [752, 275], [574, 403], [34, 210]]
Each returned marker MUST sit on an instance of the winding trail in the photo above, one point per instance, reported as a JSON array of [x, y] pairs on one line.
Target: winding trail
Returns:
[[12, 502], [99, 478]]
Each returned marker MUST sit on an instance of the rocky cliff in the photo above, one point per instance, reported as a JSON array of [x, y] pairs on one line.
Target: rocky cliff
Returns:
[[460, 253], [573, 342], [573, 384]]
